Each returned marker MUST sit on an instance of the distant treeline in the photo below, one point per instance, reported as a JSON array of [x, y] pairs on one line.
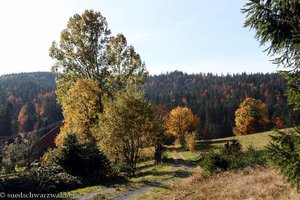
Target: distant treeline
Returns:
[[215, 98], [28, 101]]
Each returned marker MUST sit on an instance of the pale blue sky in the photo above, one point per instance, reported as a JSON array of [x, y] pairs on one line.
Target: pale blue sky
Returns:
[[188, 35]]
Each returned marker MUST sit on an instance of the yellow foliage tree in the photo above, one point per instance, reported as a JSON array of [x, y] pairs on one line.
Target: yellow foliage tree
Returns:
[[182, 121], [190, 140], [80, 110], [127, 125], [251, 117]]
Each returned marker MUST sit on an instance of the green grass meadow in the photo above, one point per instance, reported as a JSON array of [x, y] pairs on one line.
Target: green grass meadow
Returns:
[[257, 140]]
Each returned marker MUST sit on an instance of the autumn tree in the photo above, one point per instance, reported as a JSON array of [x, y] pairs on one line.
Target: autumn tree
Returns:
[[182, 121], [27, 118], [124, 65], [47, 108], [86, 50], [162, 110], [278, 122], [251, 117], [127, 125], [48, 112], [161, 114], [80, 110]]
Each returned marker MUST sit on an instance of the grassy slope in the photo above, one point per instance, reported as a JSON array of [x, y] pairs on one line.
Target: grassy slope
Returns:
[[248, 183], [253, 183], [257, 141]]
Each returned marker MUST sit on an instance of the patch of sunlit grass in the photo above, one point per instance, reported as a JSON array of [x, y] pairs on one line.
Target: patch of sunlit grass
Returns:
[[249, 183]]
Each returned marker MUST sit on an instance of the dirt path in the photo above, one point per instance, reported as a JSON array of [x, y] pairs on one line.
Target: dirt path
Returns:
[[179, 161], [179, 156]]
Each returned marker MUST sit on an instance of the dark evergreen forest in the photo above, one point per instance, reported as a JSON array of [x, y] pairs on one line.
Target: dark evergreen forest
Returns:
[[28, 101], [215, 98]]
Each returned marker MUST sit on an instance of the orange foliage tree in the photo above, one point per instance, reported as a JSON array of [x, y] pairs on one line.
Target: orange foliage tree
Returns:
[[251, 117], [27, 118], [278, 121], [80, 110], [182, 121]]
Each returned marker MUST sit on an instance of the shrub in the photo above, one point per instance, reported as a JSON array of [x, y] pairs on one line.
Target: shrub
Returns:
[[254, 157], [231, 158], [249, 158], [232, 148], [21, 153], [122, 169], [82, 159], [284, 154], [50, 156], [190, 141], [50, 179], [215, 161]]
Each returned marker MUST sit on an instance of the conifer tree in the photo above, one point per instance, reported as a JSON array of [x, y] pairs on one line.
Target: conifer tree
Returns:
[[277, 25]]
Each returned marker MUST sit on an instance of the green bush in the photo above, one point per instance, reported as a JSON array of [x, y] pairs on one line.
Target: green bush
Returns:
[[284, 155], [249, 158], [50, 179], [84, 160], [21, 153], [254, 157], [190, 141], [231, 158], [215, 161], [122, 169], [232, 148]]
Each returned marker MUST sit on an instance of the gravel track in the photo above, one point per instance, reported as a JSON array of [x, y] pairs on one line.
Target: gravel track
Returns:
[[179, 161]]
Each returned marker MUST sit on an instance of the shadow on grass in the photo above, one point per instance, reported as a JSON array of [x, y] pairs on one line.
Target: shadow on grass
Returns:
[[112, 182], [207, 145], [157, 184], [164, 175], [155, 173]]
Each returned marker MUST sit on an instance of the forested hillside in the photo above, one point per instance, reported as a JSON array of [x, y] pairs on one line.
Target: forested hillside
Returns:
[[28, 101], [215, 98]]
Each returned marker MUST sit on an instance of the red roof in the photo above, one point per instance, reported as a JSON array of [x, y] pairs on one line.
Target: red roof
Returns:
[[48, 140]]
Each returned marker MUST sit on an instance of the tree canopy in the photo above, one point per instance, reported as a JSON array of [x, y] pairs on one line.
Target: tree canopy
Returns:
[[106, 63], [86, 50], [80, 110], [251, 117], [182, 121], [127, 125]]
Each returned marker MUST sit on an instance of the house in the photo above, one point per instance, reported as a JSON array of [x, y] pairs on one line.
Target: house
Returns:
[[48, 140]]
